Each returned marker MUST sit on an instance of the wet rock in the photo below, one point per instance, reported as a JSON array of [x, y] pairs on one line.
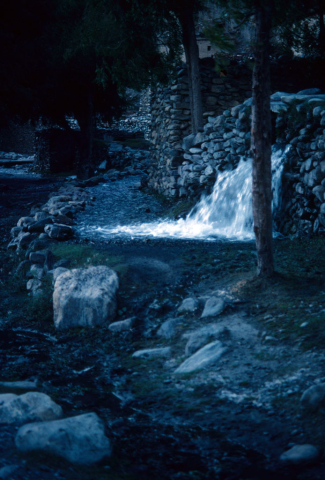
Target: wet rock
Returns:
[[188, 305], [167, 329], [313, 397], [21, 241], [122, 325], [213, 307], [205, 357], [59, 232], [300, 454], [85, 297], [29, 407], [64, 219], [152, 353], [81, 440]]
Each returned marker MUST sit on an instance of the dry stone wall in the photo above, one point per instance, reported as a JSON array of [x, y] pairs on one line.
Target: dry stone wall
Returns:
[[171, 116]]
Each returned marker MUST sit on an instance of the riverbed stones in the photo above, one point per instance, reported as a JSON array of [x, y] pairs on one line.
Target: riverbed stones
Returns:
[[160, 352], [29, 407], [300, 454], [80, 440], [213, 307], [188, 305], [313, 397], [85, 297], [205, 357]]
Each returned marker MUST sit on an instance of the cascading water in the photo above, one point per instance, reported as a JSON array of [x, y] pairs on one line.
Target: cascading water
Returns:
[[226, 213]]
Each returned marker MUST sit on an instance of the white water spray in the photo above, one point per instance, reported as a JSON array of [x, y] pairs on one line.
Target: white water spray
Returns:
[[226, 213]]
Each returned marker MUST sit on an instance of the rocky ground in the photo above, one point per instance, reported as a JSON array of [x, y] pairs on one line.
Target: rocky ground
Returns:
[[232, 419]]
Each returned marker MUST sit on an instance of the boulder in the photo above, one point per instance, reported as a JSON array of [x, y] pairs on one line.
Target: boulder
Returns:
[[81, 440], [38, 227], [29, 407], [204, 357], [188, 305], [213, 307], [59, 231], [57, 272], [85, 297]]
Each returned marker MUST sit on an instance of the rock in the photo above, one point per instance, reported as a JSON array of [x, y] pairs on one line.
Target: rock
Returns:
[[319, 191], [37, 271], [35, 286], [29, 407], [203, 358], [81, 440], [152, 353], [59, 232], [313, 397], [85, 297], [213, 307], [167, 329], [15, 231], [56, 272], [300, 454], [38, 227], [7, 471], [24, 221], [122, 325], [18, 387], [309, 91], [188, 305], [23, 267], [64, 262], [203, 335]]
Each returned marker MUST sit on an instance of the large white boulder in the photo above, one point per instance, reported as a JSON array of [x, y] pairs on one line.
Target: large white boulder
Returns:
[[85, 297], [80, 440], [30, 407]]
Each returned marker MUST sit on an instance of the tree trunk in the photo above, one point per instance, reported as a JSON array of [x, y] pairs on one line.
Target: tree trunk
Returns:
[[261, 143], [86, 124], [193, 68]]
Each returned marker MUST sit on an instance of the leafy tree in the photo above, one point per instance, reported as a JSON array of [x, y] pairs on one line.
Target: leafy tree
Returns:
[[81, 56]]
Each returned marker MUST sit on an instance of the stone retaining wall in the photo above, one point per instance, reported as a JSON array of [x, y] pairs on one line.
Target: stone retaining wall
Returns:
[[299, 121], [221, 91]]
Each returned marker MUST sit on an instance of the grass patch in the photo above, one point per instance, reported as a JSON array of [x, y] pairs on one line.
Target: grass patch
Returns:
[[82, 256]]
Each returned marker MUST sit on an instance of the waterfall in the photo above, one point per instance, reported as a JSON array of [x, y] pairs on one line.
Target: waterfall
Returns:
[[225, 213]]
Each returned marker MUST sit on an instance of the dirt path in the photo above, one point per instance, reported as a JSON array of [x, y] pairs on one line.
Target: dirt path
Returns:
[[231, 420]]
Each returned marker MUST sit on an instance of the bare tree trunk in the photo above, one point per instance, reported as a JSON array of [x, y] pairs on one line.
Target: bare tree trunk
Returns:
[[193, 68], [85, 121], [261, 143]]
